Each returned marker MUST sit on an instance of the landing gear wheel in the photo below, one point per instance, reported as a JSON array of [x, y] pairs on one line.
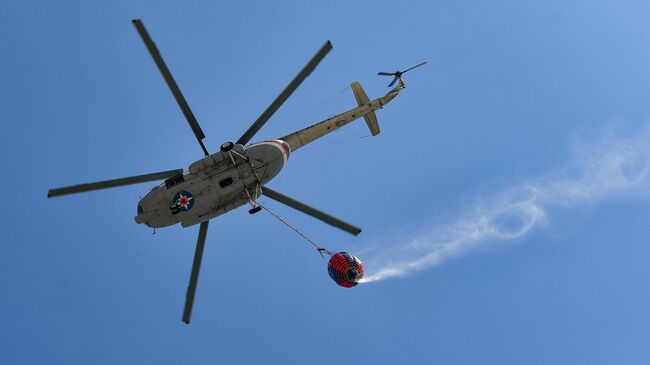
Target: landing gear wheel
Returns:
[[255, 210], [226, 146]]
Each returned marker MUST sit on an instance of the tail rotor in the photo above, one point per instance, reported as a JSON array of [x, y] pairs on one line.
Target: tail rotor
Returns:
[[397, 75]]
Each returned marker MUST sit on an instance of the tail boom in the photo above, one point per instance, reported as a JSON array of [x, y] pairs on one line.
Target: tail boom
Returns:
[[365, 109]]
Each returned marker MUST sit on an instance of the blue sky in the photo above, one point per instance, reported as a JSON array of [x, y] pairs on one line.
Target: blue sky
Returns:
[[517, 95]]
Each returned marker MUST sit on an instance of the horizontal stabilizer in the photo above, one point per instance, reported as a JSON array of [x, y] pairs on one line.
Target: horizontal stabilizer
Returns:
[[362, 98]]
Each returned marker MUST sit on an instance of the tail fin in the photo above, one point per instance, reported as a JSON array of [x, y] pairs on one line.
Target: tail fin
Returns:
[[362, 98]]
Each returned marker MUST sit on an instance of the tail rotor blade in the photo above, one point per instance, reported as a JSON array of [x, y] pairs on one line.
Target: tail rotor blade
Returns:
[[409, 69], [393, 82], [194, 276], [386, 73]]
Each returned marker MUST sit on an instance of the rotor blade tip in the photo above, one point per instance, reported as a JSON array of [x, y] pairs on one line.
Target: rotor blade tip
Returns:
[[136, 20]]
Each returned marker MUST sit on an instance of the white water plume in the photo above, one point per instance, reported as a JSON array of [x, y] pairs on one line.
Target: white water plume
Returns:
[[613, 167]]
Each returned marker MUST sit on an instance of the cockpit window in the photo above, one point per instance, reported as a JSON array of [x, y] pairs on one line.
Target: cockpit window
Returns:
[[174, 180]]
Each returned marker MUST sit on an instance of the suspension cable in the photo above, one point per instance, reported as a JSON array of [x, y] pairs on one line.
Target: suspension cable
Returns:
[[319, 248]]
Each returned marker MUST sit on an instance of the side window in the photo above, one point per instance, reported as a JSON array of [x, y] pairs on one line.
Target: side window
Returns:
[[225, 182]]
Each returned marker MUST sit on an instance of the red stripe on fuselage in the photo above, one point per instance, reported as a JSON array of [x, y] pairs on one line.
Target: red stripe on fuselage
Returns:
[[286, 151]]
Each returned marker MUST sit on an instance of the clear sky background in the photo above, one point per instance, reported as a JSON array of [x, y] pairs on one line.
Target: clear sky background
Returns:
[[551, 95]]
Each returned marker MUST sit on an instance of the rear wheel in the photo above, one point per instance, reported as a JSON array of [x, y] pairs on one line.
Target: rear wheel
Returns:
[[255, 210]]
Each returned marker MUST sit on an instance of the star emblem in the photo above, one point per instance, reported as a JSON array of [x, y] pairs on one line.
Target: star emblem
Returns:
[[183, 201]]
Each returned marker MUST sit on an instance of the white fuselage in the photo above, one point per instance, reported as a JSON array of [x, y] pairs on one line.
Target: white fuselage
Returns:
[[213, 185]]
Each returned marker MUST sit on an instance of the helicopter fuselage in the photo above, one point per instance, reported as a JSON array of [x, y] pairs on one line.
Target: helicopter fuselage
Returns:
[[223, 181], [213, 185]]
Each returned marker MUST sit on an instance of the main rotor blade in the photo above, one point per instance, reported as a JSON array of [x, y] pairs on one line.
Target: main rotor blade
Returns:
[[180, 99], [80, 188], [409, 69], [194, 276], [311, 211], [284, 95]]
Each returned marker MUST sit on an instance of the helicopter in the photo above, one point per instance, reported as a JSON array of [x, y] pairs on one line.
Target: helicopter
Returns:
[[237, 174]]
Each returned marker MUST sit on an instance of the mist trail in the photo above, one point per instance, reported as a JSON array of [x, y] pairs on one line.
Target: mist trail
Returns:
[[615, 166]]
